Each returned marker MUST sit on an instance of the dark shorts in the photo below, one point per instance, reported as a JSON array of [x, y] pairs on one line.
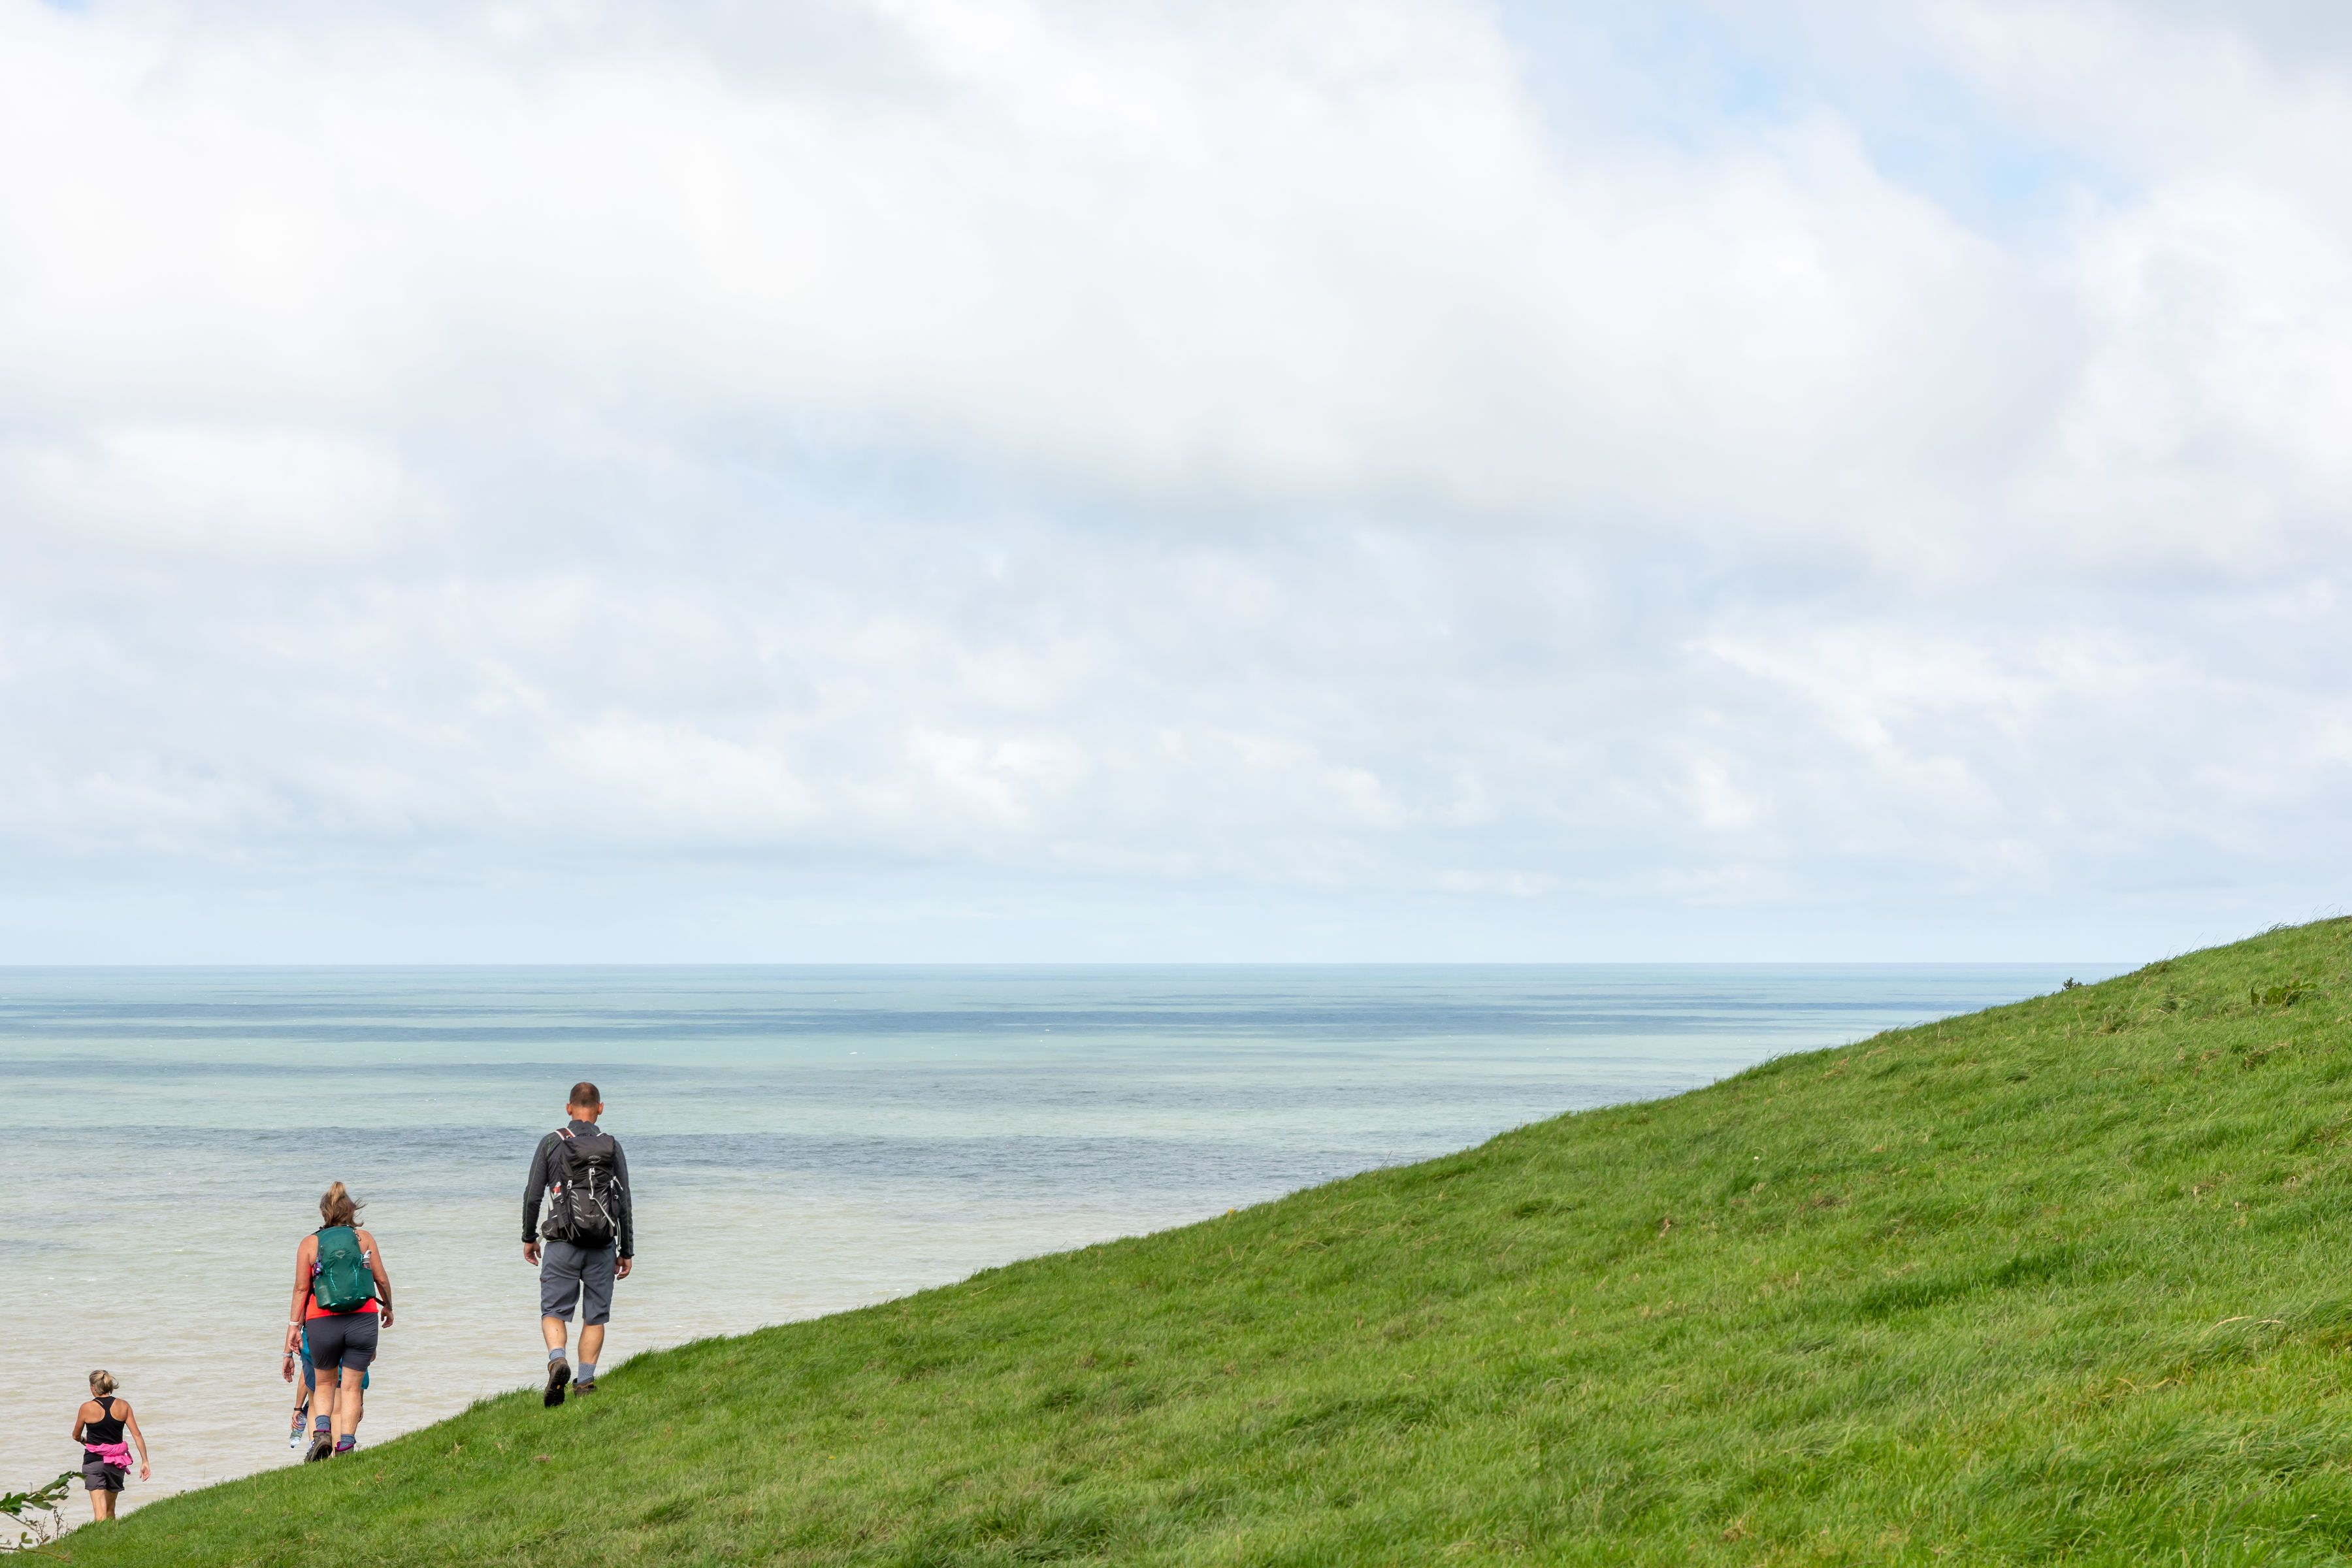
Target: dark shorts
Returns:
[[343, 1339], [573, 1276], [311, 1374], [98, 1475]]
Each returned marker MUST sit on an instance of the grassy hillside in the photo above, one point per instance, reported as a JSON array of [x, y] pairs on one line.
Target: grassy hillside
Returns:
[[2062, 1281]]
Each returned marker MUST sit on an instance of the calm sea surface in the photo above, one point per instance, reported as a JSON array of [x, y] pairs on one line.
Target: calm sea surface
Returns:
[[801, 1140]]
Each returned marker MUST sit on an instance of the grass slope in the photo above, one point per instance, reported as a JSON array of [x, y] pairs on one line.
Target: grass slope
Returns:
[[2061, 1281]]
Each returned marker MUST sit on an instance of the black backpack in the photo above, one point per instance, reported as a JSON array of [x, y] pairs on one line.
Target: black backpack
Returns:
[[584, 1198]]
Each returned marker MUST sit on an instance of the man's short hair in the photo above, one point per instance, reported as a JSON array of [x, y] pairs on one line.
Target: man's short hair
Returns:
[[584, 1093]]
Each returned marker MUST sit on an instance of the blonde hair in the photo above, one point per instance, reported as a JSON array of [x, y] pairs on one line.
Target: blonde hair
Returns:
[[339, 1207], [102, 1384]]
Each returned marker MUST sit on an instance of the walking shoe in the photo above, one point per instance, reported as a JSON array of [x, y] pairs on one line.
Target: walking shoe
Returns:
[[345, 1445], [322, 1445], [558, 1373], [587, 1387]]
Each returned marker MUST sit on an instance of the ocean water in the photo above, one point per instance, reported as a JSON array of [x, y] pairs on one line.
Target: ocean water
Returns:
[[801, 1140]]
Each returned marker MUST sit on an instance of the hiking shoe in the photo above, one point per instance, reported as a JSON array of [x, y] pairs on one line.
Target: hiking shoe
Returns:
[[322, 1445], [558, 1373], [587, 1387]]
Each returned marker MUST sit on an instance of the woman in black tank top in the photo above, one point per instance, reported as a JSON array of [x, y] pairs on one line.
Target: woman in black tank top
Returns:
[[98, 1426], [107, 1428]]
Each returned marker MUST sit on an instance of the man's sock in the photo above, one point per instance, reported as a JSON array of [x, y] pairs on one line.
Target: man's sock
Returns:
[[344, 1444], [584, 1373], [555, 1355], [324, 1423]]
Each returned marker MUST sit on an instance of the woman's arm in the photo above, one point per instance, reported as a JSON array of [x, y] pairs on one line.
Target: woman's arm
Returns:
[[131, 1420], [302, 1255], [382, 1280], [82, 1417]]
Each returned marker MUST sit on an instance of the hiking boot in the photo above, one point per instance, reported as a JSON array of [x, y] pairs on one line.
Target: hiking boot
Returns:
[[587, 1387], [322, 1445], [558, 1373]]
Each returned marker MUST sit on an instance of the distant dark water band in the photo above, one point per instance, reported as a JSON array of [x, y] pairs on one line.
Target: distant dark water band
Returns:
[[1281, 1084], [437, 1165], [200, 1021]]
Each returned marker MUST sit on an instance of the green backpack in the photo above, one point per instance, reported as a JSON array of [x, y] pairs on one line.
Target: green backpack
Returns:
[[343, 1282]]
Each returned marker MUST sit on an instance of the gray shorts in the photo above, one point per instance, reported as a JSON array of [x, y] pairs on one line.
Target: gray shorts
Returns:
[[342, 1339], [573, 1276], [98, 1475]]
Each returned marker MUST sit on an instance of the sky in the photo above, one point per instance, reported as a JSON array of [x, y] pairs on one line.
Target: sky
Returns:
[[990, 480]]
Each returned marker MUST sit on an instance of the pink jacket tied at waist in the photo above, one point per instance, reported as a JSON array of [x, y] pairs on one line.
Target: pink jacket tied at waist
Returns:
[[115, 1454]]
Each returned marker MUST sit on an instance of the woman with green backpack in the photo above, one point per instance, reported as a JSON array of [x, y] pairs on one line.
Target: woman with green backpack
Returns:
[[341, 1296]]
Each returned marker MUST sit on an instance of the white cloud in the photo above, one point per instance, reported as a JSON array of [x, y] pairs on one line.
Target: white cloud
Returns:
[[1253, 459], [224, 491]]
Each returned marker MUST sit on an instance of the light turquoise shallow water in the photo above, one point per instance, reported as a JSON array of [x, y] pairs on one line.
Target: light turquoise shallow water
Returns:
[[801, 1140]]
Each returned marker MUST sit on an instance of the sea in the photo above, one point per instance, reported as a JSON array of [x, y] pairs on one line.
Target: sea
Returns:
[[800, 1140]]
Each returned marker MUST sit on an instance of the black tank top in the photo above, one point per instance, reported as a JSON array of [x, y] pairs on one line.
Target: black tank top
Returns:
[[109, 1429]]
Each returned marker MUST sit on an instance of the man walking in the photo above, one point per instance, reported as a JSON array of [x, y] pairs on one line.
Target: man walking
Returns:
[[585, 1241]]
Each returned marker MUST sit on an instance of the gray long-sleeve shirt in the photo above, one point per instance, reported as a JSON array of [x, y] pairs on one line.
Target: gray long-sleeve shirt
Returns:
[[537, 1188]]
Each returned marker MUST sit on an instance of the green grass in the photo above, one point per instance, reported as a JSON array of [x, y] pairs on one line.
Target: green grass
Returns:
[[2058, 1282]]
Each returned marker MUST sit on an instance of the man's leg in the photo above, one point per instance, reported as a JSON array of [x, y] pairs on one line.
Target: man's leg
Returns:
[[596, 1309], [558, 1293], [559, 1371], [559, 1297]]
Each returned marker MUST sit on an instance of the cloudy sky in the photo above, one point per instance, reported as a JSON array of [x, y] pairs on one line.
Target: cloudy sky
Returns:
[[982, 479]]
